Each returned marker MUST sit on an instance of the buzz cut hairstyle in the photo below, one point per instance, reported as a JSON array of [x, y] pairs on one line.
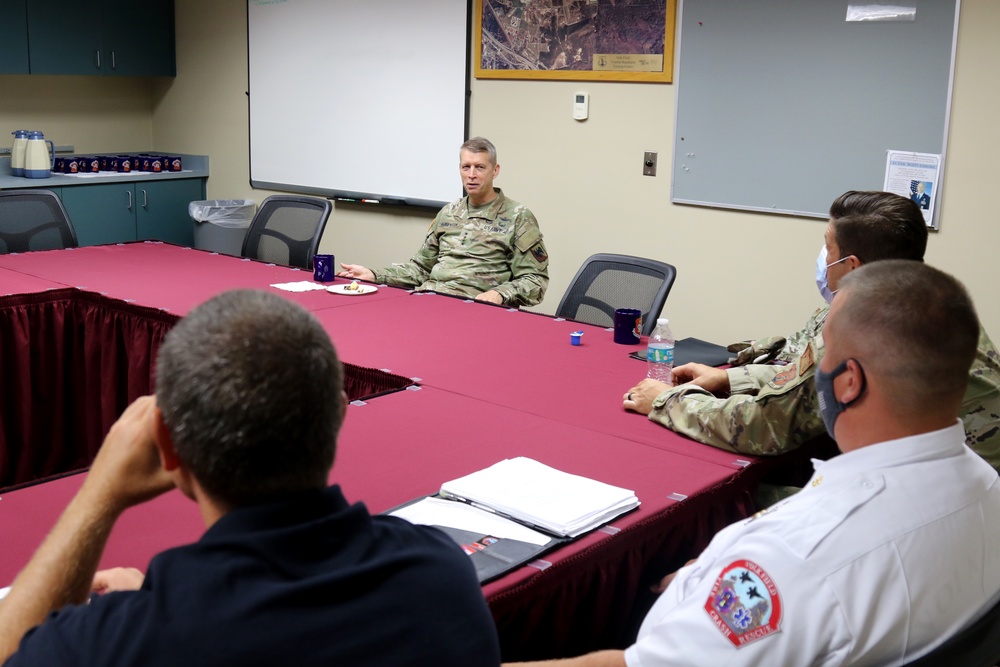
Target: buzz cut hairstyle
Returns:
[[251, 391], [915, 326], [480, 145]]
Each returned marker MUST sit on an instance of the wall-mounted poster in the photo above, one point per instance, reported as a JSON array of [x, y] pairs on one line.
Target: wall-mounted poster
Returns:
[[914, 175], [575, 40]]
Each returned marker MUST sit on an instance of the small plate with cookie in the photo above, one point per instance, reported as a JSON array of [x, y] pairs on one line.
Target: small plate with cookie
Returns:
[[353, 289]]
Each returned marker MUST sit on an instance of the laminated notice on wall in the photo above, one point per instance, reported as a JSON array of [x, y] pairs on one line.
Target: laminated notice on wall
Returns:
[[914, 175]]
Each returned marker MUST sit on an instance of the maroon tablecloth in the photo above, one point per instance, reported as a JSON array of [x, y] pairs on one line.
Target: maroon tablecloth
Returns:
[[494, 383], [513, 358], [15, 282], [168, 277], [70, 362], [392, 449]]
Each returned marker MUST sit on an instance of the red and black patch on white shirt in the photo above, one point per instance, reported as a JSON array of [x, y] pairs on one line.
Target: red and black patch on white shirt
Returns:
[[744, 603]]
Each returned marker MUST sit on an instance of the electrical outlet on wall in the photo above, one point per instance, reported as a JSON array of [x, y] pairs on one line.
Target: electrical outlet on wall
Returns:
[[649, 163]]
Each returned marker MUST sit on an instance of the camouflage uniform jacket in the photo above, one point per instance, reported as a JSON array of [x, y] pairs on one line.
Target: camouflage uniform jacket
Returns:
[[772, 409], [470, 250]]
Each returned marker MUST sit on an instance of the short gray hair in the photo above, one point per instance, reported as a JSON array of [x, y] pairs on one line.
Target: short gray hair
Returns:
[[481, 145]]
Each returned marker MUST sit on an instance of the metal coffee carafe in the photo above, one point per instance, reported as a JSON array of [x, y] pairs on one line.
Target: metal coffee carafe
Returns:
[[17, 152], [38, 158]]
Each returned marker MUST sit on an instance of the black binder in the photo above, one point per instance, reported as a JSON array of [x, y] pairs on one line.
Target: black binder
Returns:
[[688, 350]]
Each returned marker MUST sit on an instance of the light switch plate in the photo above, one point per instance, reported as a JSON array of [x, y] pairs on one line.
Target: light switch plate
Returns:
[[649, 163]]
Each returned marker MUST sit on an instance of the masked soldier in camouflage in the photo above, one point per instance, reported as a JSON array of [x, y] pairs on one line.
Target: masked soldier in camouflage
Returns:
[[485, 245], [770, 409]]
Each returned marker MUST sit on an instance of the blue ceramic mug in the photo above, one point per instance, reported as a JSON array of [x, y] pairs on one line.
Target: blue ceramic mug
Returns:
[[322, 268], [628, 325]]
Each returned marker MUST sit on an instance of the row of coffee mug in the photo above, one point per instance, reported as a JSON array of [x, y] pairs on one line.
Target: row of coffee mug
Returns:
[[122, 164]]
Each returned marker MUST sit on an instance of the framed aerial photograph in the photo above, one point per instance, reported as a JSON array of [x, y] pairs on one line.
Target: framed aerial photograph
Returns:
[[575, 40]]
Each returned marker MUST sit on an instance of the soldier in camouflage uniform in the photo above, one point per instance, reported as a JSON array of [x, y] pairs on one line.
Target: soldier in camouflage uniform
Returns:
[[769, 409], [484, 246]]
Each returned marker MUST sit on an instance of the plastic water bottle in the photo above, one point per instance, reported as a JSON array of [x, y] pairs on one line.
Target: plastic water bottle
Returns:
[[660, 353]]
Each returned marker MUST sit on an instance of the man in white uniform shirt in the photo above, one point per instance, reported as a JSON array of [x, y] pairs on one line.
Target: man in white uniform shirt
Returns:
[[883, 555]]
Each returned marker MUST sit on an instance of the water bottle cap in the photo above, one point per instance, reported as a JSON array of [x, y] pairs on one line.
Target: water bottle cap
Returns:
[[662, 320]]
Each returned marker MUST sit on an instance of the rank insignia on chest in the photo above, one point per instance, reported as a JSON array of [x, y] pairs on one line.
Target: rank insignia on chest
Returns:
[[744, 603]]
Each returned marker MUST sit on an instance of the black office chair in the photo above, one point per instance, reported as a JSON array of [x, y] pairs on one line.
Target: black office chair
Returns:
[[606, 282], [287, 230], [33, 219], [976, 646]]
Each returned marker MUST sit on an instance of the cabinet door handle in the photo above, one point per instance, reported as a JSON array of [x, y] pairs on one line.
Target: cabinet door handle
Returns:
[[98, 54], [145, 204], [113, 66], [129, 193]]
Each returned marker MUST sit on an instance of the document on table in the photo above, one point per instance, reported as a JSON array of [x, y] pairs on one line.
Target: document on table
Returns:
[[494, 544], [516, 510], [433, 511], [299, 286], [547, 499]]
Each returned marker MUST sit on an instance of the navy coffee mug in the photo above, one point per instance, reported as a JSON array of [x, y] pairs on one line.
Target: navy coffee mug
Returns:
[[628, 325], [322, 268]]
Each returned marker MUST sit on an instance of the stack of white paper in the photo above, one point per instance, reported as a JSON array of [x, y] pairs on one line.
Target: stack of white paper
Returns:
[[299, 286], [555, 501]]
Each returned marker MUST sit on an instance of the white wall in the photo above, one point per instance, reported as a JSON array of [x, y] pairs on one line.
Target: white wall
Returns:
[[739, 274]]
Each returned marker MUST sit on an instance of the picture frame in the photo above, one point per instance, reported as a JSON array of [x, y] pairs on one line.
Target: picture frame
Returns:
[[513, 32]]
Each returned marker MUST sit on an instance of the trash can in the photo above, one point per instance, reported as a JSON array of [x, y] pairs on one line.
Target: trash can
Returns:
[[221, 224]]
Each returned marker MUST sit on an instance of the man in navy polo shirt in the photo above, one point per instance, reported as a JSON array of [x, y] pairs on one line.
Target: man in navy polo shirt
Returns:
[[248, 404]]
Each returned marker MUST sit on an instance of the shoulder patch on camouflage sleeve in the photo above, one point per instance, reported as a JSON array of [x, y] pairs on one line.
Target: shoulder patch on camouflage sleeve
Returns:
[[527, 237], [538, 252], [784, 377], [744, 603]]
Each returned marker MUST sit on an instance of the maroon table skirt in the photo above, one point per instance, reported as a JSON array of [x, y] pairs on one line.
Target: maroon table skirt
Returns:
[[491, 383]]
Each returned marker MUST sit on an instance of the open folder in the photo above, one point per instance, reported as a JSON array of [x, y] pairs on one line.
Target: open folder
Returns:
[[515, 510]]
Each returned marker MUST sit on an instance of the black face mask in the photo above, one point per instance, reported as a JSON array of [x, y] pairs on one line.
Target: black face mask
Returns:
[[829, 406]]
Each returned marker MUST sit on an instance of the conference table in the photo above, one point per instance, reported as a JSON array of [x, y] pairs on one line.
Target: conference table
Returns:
[[79, 330]]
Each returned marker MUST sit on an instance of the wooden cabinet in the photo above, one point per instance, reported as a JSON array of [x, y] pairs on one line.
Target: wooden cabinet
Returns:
[[13, 37], [101, 37], [113, 213]]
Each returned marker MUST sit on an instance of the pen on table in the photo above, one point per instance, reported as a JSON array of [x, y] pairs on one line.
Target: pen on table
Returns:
[[485, 508]]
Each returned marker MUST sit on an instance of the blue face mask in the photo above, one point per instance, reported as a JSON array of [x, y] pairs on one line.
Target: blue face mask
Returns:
[[829, 406], [821, 267]]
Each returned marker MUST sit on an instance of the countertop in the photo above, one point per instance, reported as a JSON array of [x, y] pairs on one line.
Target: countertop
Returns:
[[195, 166]]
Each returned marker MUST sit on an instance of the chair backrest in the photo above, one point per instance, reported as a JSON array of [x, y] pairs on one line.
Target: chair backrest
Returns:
[[32, 219], [978, 645], [287, 230], [606, 282]]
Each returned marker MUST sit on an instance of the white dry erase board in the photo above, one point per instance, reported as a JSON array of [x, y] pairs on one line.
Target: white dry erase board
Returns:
[[358, 99], [783, 105]]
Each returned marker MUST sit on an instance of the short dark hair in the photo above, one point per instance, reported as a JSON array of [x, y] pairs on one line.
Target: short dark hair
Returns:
[[878, 225], [916, 327], [480, 145], [250, 390]]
